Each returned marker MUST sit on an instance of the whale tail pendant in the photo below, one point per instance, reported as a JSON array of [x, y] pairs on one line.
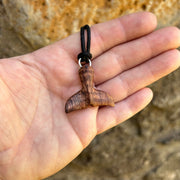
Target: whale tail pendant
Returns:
[[88, 96]]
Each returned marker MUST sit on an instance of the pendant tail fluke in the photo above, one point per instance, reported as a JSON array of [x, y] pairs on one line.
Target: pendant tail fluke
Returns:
[[101, 98], [82, 100], [76, 102]]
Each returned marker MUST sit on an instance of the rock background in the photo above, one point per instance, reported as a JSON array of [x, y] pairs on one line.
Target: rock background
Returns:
[[146, 147], [41, 22]]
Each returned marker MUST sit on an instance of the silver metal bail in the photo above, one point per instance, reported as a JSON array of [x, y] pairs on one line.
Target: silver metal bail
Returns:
[[80, 62]]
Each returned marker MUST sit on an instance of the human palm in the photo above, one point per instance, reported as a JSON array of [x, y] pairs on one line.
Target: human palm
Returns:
[[37, 137]]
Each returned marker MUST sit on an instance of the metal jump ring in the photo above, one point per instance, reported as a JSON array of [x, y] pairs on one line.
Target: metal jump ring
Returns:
[[80, 62]]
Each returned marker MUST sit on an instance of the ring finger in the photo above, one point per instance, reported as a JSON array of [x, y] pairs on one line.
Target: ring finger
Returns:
[[140, 76]]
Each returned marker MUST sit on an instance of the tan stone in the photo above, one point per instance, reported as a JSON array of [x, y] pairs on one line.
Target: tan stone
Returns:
[[10, 44], [44, 21], [146, 147]]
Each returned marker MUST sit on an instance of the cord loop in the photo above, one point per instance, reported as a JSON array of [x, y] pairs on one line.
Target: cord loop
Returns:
[[85, 55]]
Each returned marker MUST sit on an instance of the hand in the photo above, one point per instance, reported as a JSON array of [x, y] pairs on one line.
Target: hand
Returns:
[[37, 137]]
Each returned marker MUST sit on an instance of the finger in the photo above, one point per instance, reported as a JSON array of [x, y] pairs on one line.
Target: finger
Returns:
[[108, 117], [111, 33], [56, 59], [128, 55], [140, 76]]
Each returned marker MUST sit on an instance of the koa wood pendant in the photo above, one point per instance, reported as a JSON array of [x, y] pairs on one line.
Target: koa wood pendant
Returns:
[[88, 96]]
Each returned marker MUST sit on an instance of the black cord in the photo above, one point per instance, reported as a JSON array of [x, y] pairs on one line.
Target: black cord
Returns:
[[85, 55]]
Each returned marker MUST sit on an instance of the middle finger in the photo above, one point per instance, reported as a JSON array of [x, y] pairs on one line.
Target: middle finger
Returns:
[[128, 55], [140, 76]]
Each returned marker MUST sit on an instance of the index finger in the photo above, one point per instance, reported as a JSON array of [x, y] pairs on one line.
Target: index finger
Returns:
[[111, 33]]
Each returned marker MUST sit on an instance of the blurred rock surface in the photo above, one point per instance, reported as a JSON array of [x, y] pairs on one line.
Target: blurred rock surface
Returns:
[[147, 146], [41, 22]]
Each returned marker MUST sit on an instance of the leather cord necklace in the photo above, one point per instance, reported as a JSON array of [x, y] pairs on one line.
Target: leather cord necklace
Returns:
[[88, 96]]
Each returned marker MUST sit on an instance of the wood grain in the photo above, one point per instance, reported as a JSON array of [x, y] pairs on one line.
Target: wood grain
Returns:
[[88, 96]]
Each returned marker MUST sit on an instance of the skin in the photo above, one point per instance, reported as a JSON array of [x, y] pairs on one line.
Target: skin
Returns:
[[37, 137]]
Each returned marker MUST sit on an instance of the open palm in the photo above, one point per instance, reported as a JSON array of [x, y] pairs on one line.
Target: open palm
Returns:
[[37, 137]]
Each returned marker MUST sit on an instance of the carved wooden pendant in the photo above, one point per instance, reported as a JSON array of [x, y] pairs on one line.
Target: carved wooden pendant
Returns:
[[88, 96]]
